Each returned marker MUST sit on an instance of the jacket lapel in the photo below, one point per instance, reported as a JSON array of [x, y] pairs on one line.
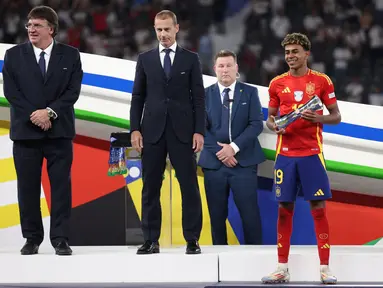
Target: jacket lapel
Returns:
[[32, 61], [54, 60], [237, 98], [176, 61], [157, 62], [217, 103]]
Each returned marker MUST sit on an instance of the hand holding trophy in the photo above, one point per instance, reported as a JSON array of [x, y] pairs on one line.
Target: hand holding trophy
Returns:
[[278, 130], [313, 105]]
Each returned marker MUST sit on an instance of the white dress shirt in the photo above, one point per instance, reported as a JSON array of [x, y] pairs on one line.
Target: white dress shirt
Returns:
[[231, 96], [172, 53], [47, 56]]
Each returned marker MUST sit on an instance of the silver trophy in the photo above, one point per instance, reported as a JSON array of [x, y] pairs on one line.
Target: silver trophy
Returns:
[[314, 104]]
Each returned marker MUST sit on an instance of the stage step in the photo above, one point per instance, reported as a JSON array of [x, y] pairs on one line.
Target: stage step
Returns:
[[217, 266], [107, 285], [185, 285], [293, 285], [359, 264], [108, 265]]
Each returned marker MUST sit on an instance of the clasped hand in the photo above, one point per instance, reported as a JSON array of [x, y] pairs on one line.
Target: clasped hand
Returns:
[[226, 155], [40, 118]]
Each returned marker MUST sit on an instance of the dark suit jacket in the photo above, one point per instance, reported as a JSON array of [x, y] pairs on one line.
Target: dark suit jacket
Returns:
[[181, 96], [247, 125], [26, 90]]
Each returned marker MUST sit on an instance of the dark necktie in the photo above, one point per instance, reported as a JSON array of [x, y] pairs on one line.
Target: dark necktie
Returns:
[[225, 121], [42, 64], [167, 62]]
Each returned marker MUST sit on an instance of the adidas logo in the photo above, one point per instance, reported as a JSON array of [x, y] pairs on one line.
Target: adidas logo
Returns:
[[325, 246], [286, 90], [319, 193], [280, 245]]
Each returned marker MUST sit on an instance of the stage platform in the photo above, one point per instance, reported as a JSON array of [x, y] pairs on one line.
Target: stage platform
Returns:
[[189, 285], [222, 266]]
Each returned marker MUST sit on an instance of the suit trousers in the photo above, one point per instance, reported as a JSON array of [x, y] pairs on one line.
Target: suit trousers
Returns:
[[243, 183], [28, 158], [183, 159]]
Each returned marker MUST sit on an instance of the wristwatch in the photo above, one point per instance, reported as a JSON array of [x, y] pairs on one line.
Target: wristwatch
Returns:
[[50, 113]]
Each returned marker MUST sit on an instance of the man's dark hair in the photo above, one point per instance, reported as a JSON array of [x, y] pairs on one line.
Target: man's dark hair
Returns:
[[46, 13], [164, 14], [225, 53]]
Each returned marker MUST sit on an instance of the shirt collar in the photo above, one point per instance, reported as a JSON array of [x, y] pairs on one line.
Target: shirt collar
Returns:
[[173, 47], [47, 50], [221, 87]]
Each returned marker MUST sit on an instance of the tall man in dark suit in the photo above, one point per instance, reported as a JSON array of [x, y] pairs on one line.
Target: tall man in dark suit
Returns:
[[232, 151], [42, 81], [168, 91]]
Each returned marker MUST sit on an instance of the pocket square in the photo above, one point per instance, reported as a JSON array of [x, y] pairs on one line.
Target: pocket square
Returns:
[[65, 68], [183, 72], [243, 103]]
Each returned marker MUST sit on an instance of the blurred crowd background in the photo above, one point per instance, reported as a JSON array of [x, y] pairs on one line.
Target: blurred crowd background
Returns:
[[346, 35]]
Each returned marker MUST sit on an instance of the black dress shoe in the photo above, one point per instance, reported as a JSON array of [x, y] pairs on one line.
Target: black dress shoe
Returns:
[[29, 248], [62, 248], [149, 247], [192, 247]]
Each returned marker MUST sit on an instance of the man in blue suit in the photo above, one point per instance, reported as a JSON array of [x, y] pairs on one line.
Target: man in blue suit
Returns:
[[232, 151]]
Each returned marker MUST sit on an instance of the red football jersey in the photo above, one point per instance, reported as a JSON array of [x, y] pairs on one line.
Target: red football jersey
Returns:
[[287, 92]]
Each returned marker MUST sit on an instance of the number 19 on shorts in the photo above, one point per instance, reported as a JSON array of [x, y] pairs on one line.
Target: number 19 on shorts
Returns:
[[278, 176]]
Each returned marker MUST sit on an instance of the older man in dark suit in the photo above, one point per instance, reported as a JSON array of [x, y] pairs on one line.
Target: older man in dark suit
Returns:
[[42, 81], [168, 91]]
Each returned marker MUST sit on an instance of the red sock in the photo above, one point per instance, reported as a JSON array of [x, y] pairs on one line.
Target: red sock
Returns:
[[322, 233], [285, 228]]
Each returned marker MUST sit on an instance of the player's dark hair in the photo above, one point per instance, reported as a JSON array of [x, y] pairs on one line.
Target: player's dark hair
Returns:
[[46, 13], [297, 38], [225, 53]]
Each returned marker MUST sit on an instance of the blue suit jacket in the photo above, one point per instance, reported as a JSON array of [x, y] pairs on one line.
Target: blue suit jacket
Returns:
[[246, 125]]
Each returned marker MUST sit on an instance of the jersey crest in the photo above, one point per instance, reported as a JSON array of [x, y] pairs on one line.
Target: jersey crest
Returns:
[[310, 88]]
